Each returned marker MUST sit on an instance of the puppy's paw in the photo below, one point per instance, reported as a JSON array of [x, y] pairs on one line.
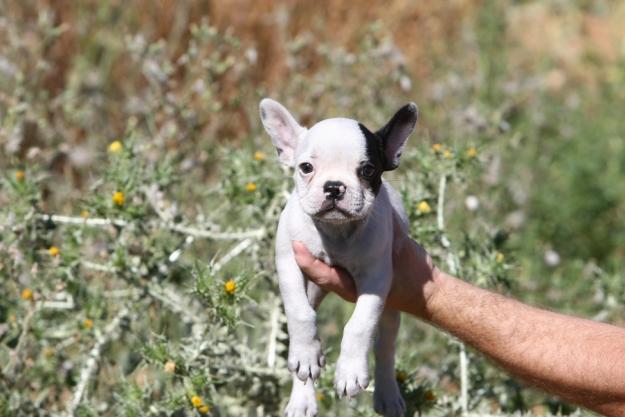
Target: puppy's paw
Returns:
[[351, 377], [302, 403], [387, 400], [306, 360]]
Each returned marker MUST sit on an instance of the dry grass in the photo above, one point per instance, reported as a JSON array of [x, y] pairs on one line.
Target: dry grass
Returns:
[[530, 87]]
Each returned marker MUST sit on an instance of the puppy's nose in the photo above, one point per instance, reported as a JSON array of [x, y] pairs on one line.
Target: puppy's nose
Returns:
[[334, 190]]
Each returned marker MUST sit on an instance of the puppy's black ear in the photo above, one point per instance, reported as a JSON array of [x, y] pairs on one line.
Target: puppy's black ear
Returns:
[[282, 128], [395, 133]]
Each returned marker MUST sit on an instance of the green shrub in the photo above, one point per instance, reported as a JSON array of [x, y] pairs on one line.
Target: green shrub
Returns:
[[138, 206]]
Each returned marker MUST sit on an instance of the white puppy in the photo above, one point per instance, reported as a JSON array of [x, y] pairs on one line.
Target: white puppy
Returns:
[[342, 210]]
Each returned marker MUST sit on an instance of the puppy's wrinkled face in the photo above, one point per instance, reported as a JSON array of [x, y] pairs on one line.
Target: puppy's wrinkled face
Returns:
[[338, 172], [338, 163]]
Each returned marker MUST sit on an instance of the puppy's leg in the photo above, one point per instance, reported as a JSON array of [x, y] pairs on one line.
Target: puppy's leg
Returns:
[[315, 294], [387, 400], [352, 374], [303, 402], [305, 358]]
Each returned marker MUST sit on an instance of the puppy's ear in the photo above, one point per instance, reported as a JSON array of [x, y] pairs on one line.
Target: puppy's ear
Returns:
[[395, 133], [282, 128]]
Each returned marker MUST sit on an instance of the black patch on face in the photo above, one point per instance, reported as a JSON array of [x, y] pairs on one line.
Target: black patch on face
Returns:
[[375, 157]]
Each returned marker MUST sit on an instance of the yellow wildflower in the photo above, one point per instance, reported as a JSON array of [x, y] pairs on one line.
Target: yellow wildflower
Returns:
[[115, 146], [401, 376], [230, 286], [27, 294], [430, 396], [119, 198], [424, 207], [320, 396], [250, 187], [170, 367], [437, 147], [447, 154], [499, 257], [259, 155], [53, 251], [20, 175], [84, 214], [472, 152], [204, 409], [87, 324], [197, 401]]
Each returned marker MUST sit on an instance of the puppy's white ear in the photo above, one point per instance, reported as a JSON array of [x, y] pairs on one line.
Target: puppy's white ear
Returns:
[[395, 133], [282, 128]]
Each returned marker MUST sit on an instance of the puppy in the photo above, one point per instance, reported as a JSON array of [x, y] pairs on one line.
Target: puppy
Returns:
[[342, 210]]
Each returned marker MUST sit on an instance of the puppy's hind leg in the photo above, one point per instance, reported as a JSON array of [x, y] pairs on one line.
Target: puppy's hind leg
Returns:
[[315, 294], [302, 402], [387, 400]]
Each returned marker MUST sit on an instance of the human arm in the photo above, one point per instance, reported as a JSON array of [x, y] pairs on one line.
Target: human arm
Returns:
[[576, 359]]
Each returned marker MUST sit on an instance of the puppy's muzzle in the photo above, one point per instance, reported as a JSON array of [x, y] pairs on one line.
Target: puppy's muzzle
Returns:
[[334, 190]]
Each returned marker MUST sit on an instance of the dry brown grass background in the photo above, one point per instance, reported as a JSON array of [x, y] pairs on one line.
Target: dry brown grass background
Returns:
[[528, 85], [426, 34]]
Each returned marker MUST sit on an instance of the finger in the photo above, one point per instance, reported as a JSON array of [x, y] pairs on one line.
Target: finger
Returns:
[[327, 277], [319, 272], [307, 262]]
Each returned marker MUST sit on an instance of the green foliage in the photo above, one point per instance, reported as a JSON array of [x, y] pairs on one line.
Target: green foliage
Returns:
[[154, 284]]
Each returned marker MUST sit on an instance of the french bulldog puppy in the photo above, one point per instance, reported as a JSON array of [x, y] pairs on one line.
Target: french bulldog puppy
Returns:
[[343, 211]]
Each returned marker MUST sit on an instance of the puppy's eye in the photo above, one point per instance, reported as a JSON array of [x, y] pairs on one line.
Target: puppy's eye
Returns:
[[368, 171], [305, 168]]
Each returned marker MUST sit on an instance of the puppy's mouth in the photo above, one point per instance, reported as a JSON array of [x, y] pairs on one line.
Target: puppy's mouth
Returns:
[[332, 212]]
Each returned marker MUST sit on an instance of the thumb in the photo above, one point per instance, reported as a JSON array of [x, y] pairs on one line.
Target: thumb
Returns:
[[327, 277]]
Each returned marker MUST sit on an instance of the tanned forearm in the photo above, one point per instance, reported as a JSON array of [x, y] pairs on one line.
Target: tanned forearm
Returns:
[[579, 360]]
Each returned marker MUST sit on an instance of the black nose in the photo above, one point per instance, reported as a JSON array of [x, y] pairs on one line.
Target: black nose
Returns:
[[334, 190]]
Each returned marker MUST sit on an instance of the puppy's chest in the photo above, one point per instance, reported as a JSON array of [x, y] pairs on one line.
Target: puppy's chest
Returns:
[[355, 252], [335, 254], [345, 257]]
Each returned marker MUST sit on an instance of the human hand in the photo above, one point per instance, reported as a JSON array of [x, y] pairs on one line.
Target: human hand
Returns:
[[414, 275]]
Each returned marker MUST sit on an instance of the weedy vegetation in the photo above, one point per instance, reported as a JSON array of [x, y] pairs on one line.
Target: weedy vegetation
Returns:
[[139, 196]]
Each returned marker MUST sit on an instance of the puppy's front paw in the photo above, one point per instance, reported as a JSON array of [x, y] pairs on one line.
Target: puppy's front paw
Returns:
[[302, 403], [306, 360], [387, 400], [352, 376]]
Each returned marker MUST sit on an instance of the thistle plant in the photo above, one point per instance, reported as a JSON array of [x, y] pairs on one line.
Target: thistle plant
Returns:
[[139, 201]]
